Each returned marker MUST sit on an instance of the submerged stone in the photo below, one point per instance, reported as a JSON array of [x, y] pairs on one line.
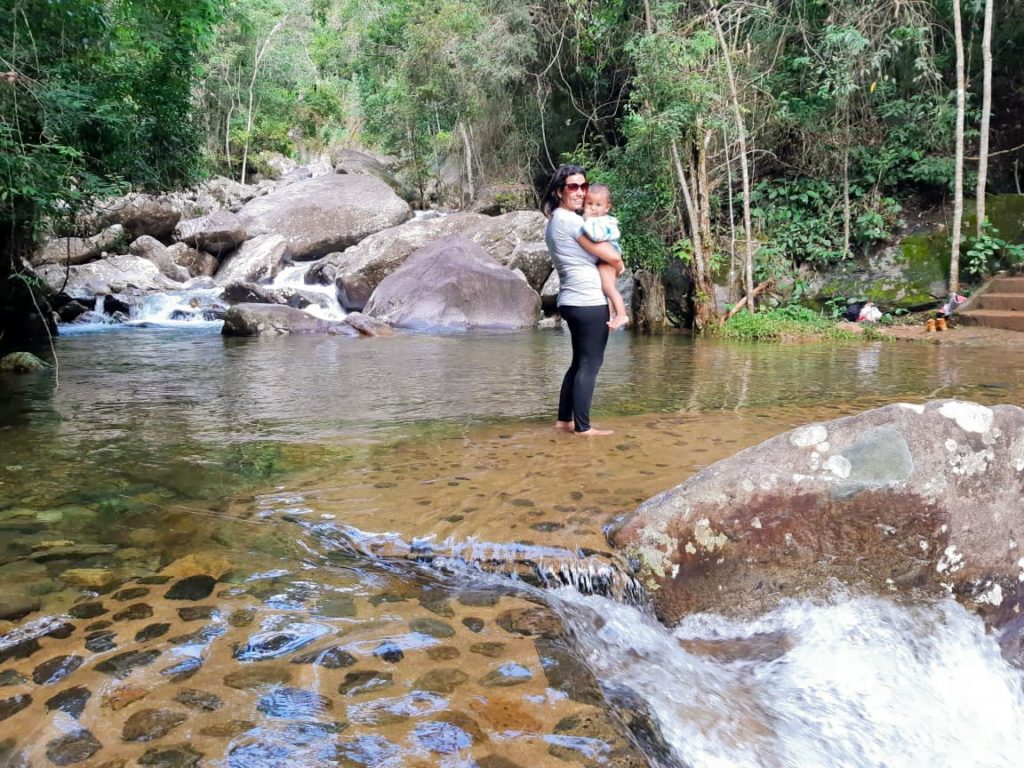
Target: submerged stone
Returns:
[[389, 652], [56, 669], [365, 681], [195, 612], [13, 705], [72, 701], [72, 748], [228, 729], [191, 588], [441, 737], [431, 628], [100, 641], [179, 756], [253, 677], [152, 631], [200, 700], [441, 680], [134, 612], [506, 675], [88, 610], [331, 658], [150, 724], [122, 664]]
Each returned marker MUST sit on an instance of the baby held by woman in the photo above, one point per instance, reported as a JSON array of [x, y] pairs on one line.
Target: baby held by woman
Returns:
[[600, 226]]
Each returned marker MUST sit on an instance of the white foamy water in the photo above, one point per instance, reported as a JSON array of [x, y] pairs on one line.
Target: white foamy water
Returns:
[[324, 297], [859, 682]]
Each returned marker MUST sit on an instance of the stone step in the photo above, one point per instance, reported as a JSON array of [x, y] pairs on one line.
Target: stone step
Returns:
[[1007, 285], [993, 318], [1007, 302]]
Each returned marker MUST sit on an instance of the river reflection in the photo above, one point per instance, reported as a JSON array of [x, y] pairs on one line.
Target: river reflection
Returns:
[[277, 468]]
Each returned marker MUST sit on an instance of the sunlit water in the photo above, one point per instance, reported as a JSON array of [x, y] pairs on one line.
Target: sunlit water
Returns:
[[345, 482]]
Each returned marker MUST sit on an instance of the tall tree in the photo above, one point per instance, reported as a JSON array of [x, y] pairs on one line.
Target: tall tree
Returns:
[[986, 115], [958, 176]]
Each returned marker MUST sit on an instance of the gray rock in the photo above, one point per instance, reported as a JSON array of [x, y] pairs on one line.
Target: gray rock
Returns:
[[260, 258], [77, 250], [907, 498], [325, 214], [453, 284], [277, 320], [150, 248], [217, 232], [114, 274], [197, 263], [141, 214], [360, 269], [534, 261]]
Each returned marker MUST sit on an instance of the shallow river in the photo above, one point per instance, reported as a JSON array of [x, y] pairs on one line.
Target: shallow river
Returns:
[[230, 552]]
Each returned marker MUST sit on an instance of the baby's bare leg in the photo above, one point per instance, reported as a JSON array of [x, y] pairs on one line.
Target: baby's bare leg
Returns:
[[608, 277]]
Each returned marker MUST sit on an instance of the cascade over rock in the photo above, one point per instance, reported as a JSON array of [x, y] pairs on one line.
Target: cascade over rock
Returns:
[[325, 214], [905, 498], [453, 284]]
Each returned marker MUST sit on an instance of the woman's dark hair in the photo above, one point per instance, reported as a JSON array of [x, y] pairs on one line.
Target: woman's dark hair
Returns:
[[551, 195]]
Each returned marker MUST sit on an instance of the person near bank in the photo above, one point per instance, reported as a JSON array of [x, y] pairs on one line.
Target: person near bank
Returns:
[[581, 301]]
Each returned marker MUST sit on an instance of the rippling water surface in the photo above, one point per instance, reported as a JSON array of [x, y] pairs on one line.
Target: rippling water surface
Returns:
[[231, 552]]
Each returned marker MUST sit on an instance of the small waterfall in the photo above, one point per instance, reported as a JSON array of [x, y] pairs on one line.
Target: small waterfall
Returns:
[[323, 299], [858, 682], [589, 572]]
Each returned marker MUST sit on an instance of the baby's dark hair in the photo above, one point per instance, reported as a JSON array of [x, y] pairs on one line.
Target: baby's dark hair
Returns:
[[599, 187]]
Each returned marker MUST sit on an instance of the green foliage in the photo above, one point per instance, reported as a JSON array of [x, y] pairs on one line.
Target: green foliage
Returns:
[[983, 254], [803, 219], [96, 96], [781, 323]]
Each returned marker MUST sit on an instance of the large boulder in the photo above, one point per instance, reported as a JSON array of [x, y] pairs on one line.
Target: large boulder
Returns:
[[326, 214], [359, 162], [258, 259], [78, 250], [197, 263], [217, 232], [927, 499], [453, 284], [140, 214], [517, 236], [278, 320], [150, 248], [116, 274], [912, 274]]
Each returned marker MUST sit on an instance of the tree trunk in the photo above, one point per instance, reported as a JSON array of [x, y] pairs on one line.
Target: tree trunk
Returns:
[[847, 214], [257, 61], [748, 229], [958, 176], [986, 112], [469, 160], [704, 293]]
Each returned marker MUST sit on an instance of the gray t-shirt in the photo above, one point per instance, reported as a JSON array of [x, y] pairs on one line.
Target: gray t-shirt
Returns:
[[577, 269]]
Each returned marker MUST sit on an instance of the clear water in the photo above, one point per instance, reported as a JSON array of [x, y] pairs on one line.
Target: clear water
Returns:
[[319, 467]]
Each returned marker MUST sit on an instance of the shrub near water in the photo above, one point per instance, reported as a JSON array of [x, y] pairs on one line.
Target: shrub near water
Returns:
[[790, 322]]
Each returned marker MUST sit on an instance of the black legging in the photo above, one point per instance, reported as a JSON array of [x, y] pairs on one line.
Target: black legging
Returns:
[[588, 328]]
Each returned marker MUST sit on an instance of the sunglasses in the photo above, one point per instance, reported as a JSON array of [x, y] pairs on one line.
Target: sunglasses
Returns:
[[572, 186]]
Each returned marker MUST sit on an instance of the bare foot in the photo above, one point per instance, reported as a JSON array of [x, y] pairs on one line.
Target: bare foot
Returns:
[[565, 426], [618, 321], [597, 432]]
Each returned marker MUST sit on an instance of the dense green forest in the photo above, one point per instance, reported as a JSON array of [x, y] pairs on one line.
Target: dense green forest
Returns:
[[765, 136]]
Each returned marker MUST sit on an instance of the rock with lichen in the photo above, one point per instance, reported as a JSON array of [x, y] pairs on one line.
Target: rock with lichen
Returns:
[[926, 499]]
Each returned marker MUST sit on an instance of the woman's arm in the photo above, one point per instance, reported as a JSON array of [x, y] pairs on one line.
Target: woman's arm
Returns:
[[604, 251]]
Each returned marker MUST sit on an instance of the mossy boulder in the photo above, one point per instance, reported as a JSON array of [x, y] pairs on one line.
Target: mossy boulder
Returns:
[[913, 274]]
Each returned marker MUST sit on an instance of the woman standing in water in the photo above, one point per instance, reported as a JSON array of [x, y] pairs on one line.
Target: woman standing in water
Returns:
[[581, 302]]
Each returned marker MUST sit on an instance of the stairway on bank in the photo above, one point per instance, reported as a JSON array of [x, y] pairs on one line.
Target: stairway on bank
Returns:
[[1000, 305]]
